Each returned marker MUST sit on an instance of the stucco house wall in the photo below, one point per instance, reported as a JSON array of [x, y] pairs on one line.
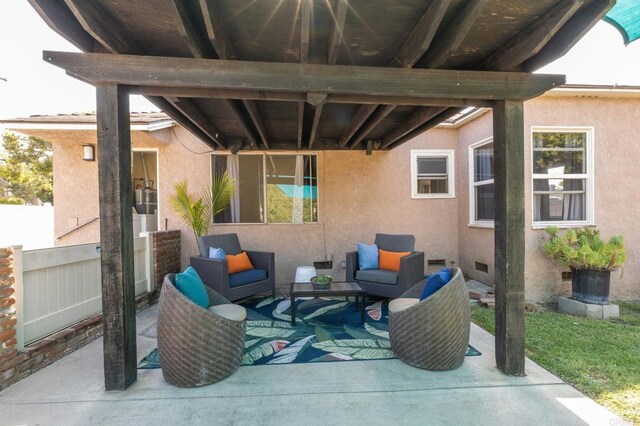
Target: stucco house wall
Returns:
[[360, 195], [616, 124]]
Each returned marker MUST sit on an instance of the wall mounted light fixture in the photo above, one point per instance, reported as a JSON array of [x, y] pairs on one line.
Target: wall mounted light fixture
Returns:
[[89, 152]]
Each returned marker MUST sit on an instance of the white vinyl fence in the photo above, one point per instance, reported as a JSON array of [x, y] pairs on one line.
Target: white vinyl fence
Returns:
[[60, 286]]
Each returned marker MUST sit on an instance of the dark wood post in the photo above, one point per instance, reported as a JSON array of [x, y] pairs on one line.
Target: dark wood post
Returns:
[[116, 236], [508, 143]]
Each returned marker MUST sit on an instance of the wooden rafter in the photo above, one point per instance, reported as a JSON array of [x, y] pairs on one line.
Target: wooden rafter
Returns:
[[215, 30], [166, 106], [293, 77], [101, 25], [439, 115], [305, 34], [530, 41], [363, 113], [199, 47], [337, 31], [416, 44], [52, 12], [202, 48], [421, 36], [452, 36], [518, 49], [421, 116], [564, 39], [372, 124], [190, 109]]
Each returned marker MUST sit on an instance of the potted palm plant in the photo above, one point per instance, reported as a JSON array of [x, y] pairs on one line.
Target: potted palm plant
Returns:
[[590, 258], [198, 212]]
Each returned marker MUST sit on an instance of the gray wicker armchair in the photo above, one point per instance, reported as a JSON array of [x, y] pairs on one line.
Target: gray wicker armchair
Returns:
[[196, 346], [215, 274], [387, 283], [434, 333]]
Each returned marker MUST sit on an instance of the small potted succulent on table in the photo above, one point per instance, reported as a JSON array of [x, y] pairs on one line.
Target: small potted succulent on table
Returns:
[[321, 282], [590, 258]]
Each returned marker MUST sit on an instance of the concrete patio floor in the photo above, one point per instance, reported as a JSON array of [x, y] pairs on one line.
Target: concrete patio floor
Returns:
[[71, 392]]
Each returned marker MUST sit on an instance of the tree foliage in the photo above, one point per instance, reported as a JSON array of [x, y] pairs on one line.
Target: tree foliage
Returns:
[[26, 170]]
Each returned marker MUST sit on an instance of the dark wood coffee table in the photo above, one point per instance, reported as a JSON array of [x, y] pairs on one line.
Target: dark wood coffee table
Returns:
[[337, 288]]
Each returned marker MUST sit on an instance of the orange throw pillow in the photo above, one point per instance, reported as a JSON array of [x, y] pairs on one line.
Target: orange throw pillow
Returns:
[[390, 260], [239, 262]]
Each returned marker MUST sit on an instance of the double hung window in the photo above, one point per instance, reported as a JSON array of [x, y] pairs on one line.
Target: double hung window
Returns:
[[481, 189], [562, 163]]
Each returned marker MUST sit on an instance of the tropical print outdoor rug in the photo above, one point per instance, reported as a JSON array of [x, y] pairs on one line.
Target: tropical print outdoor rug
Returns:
[[327, 329]]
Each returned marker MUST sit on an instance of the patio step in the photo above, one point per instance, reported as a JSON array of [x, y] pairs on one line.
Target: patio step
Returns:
[[481, 294]]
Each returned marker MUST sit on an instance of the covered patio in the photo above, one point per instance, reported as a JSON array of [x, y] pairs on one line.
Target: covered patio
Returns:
[[310, 75], [71, 391]]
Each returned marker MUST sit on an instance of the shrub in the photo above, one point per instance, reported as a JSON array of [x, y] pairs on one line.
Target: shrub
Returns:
[[584, 249]]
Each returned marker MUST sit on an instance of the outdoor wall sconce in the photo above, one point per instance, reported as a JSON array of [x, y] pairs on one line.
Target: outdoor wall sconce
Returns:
[[89, 152]]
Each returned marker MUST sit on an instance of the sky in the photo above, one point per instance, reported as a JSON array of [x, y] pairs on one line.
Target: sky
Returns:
[[35, 87]]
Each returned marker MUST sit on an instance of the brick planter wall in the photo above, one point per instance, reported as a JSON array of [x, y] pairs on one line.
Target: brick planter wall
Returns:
[[16, 365], [8, 320], [166, 254]]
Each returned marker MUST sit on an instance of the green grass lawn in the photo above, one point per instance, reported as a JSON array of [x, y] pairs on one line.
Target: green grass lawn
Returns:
[[599, 358]]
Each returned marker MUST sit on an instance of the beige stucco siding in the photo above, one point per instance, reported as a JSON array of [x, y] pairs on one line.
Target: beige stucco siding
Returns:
[[360, 195], [476, 244], [616, 124]]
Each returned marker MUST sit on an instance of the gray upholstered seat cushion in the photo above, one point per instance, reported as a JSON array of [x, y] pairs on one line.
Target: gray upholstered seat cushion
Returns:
[[228, 242], [378, 276], [389, 242]]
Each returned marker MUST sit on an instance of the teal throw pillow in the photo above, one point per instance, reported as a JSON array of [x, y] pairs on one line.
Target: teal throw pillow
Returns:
[[435, 282], [217, 253], [190, 284], [367, 257]]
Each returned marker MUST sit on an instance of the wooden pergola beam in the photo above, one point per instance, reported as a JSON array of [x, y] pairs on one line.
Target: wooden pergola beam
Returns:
[[101, 25], [199, 47], [530, 41], [183, 92], [421, 116], [215, 30], [453, 34], [378, 118], [53, 13], [565, 38], [448, 41], [420, 38], [291, 77], [525, 44], [337, 31], [219, 41], [163, 104], [415, 45], [189, 109]]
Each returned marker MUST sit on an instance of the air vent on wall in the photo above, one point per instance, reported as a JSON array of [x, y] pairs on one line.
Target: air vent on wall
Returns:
[[482, 267], [436, 262]]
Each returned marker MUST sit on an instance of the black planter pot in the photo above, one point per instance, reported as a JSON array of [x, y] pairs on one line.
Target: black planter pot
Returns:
[[589, 286]]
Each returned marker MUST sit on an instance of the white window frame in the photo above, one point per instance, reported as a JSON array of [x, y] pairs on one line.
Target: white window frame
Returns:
[[433, 153], [264, 184], [589, 177], [472, 186]]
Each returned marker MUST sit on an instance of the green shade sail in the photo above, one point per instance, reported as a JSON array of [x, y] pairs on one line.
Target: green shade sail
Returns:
[[625, 16]]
